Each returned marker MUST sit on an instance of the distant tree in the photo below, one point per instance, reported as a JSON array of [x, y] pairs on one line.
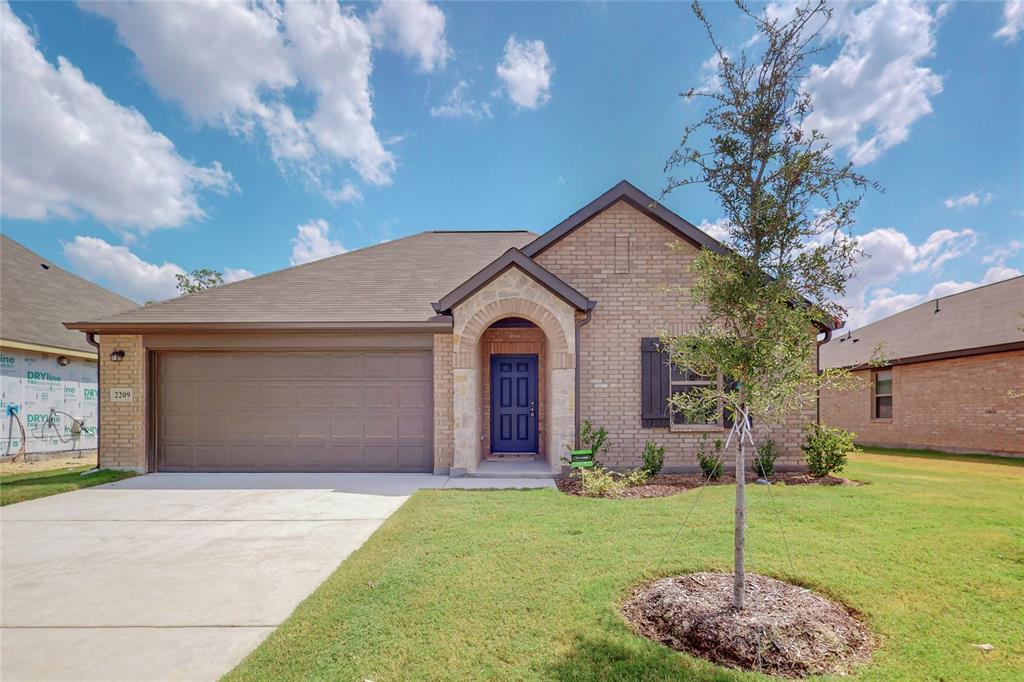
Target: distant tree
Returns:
[[199, 280], [789, 205]]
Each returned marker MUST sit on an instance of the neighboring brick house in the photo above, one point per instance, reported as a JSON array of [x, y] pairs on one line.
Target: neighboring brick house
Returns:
[[443, 351], [952, 379], [47, 373]]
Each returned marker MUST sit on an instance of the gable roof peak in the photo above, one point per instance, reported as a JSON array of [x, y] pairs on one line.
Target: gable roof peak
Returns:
[[628, 192]]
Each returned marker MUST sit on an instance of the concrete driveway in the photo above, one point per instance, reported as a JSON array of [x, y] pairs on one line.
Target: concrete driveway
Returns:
[[178, 576]]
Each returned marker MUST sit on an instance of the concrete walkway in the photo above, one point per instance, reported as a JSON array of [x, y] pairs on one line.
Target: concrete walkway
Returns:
[[179, 576]]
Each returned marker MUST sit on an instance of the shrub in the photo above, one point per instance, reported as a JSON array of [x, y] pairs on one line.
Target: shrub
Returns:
[[600, 482], [592, 439], [710, 459], [826, 448], [654, 458], [764, 462], [634, 477]]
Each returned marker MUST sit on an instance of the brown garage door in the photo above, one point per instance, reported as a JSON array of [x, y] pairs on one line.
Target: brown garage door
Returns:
[[255, 411]]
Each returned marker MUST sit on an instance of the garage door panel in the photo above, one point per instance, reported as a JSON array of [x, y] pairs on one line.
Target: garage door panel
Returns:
[[415, 395], [380, 395], [178, 366], [414, 456], [347, 426], [414, 425], [347, 366], [380, 427], [381, 366], [416, 367], [313, 396], [175, 427], [274, 411], [178, 456]]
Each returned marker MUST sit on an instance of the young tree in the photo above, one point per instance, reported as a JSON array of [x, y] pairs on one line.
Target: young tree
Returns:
[[199, 280], [789, 205]]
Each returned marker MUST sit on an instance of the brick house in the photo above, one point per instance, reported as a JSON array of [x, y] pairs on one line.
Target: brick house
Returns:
[[952, 380], [442, 351]]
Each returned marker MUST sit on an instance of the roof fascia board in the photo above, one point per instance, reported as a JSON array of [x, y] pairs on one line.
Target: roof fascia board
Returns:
[[514, 258], [51, 350], [944, 355], [439, 322]]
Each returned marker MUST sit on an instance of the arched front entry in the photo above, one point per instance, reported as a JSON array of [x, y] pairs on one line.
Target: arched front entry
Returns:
[[512, 295]]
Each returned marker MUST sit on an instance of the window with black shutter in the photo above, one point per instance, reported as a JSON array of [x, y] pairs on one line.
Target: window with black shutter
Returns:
[[655, 383], [659, 381]]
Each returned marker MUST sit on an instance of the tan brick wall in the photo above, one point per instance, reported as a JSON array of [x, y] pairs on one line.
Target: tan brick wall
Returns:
[[962, 404], [513, 341], [123, 425], [629, 285], [444, 447]]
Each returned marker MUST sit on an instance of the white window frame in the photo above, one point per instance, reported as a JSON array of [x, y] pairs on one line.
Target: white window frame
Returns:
[[674, 384], [875, 395]]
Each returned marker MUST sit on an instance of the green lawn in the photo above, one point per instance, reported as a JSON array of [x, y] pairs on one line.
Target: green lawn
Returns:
[[516, 585], [33, 484]]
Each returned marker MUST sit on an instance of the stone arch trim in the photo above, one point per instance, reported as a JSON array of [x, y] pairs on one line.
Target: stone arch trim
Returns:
[[560, 352]]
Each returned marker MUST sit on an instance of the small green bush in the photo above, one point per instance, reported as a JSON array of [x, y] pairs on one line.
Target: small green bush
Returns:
[[764, 461], [825, 449], [654, 458], [600, 482], [710, 458], [592, 439]]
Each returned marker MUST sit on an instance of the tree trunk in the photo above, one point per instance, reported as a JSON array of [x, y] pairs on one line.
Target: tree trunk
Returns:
[[739, 579]]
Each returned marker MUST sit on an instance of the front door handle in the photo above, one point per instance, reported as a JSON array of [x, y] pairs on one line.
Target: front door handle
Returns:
[[532, 410]]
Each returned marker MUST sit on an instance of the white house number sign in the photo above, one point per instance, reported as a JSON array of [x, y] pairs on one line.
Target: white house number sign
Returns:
[[121, 395]]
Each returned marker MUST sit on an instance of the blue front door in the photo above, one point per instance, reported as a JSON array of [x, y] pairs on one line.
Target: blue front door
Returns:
[[513, 403]]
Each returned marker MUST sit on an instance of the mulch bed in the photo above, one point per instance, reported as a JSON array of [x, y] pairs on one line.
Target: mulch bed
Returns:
[[783, 630], [664, 485]]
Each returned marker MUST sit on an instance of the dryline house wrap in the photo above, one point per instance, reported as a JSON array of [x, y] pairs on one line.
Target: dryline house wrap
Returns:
[[48, 391]]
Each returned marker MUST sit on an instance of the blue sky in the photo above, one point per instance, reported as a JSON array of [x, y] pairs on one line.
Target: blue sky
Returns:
[[140, 140]]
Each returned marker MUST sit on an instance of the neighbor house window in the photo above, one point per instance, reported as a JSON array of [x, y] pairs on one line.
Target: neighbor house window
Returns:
[[882, 407], [685, 381]]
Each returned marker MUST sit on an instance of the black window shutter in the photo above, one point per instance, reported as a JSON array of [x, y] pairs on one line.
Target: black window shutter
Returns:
[[654, 384]]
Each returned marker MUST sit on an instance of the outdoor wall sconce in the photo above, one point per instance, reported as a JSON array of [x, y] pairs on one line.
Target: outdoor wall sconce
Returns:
[[63, 360], [117, 355]]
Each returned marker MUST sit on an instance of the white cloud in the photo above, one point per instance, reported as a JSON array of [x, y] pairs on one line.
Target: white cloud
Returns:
[[971, 199], [236, 274], [233, 65], [68, 149], [889, 255], [345, 194], [457, 105], [999, 254], [949, 287], [1013, 20], [867, 100], [718, 229], [413, 27], [119, 269], [526, 72], [313, 242]]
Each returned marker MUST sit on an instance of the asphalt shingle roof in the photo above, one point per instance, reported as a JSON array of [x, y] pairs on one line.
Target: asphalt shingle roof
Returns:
[[991, 315], [35, 300], [391, 282]]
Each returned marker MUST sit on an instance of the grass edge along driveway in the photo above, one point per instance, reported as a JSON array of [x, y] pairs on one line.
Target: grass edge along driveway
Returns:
[[31, 485], [524, 584]]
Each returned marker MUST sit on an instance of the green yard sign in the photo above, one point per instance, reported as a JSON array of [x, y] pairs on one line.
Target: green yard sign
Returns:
[[581, 459]]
